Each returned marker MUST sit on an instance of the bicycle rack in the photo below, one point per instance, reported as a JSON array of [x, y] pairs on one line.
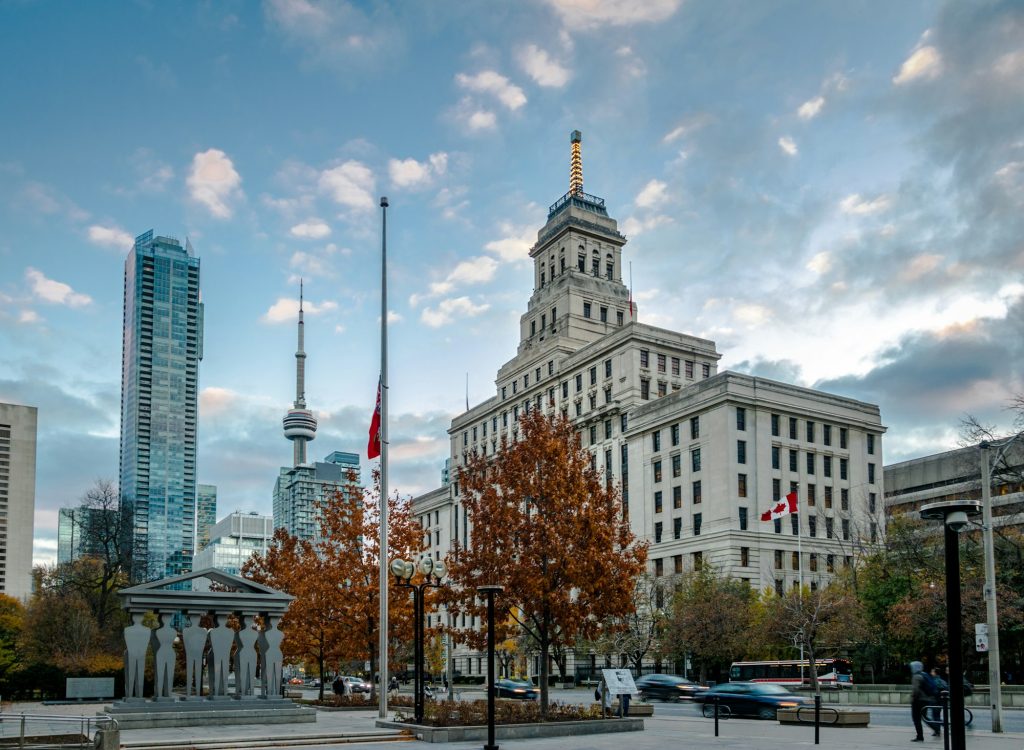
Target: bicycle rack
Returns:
[[816, 719], [719, 711]]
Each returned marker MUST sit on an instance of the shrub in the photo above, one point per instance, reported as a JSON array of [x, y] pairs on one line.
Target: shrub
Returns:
[[474, 713]]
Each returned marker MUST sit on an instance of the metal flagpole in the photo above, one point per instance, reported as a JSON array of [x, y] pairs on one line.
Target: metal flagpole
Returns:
[[383, 646], [800, 569]]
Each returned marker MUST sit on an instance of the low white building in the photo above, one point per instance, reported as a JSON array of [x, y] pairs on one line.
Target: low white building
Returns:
[[233, 540], [18, 425]]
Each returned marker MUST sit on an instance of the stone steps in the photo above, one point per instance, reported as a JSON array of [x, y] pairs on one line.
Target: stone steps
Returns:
[[295, 740]]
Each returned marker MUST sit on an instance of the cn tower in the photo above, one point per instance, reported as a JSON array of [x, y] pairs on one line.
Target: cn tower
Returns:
[[299, 422]]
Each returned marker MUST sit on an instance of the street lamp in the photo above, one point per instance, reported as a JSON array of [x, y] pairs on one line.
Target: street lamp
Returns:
[[489, 592], [995, 694], [955, 515], [434, 573]]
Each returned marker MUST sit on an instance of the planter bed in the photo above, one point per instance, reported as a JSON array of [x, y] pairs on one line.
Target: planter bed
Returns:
[[848, 717], [518, 731]]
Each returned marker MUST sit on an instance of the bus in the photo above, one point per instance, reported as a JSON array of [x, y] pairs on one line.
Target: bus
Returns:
[[834, 673]]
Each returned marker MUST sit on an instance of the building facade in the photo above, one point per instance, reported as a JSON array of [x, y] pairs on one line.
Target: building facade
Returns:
[[74, 539], [206, 513], [698, 454], [233, 540], [163, 345], [299, 489], [18, 427]]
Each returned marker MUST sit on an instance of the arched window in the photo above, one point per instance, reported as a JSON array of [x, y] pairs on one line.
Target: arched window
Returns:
[[609, 266], [595, 264]]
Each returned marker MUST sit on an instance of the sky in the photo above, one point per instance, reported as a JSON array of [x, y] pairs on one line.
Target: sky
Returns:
[[832, 192]]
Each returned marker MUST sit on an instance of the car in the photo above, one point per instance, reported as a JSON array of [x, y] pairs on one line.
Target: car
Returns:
[[521, 689], [356, 684], [668, 687], [295, 681], [762, 700]]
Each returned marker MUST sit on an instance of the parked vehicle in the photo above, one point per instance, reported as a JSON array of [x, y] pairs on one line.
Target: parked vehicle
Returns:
[[516, 689], [750, 699], [667, 687]]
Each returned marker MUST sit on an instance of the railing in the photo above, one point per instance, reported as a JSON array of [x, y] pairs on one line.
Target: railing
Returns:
[[20, 726], [586, 200]]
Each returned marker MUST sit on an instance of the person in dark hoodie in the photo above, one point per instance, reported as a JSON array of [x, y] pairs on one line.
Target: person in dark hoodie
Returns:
[[920, 696]]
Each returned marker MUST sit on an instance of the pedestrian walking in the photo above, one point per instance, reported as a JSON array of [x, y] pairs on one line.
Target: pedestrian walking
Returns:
[[605, 696], [922, 690]]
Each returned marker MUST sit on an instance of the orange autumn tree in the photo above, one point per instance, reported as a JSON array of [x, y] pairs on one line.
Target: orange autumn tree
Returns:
[[335, 580], [549, 528]]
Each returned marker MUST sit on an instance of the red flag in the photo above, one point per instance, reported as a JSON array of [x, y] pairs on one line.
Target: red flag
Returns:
[[782, 508], [373, 446]]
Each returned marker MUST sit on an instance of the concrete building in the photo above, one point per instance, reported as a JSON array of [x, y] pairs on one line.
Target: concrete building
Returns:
[[299, 489], [18, 425], [698, 454], [206, 513], [956, 475], [233, 540], [163, 344]]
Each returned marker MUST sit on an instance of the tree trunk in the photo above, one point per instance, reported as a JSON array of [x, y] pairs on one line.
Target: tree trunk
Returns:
[[320, 662], [544, 646], [814, 669]]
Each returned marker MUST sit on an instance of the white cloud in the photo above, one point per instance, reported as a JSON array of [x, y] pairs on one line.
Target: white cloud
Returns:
[[687, 127], [632, 65], [476, 270], [309, 265], [515, 243], [409, 173], [751, 314], [925, 63], [393, 317], [439, 162], [634, 225], [811, 108], [350, 184], [542, 68], [491, 82], [114, 237], [214, 401], [28, 316], [788, 145], [287, 309], [855, 205], [54, 292], [820, 263], [448, 310], [481, 120], [920, 265], [1010, 65], [313, 229], [590, 14], [213, 182], [653, 194]]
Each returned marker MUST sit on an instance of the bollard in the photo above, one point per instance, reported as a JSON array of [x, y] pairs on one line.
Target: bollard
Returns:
[[716, 716], [21, 741], [817, 718], [944, 695]]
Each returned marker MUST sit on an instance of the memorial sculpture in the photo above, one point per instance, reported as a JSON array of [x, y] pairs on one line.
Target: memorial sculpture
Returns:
[[271, 658], [136, 640], [163, 656], [195, 637], [245, 658]]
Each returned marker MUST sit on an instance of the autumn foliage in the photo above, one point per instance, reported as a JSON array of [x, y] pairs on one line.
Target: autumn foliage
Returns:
[[548, 528]]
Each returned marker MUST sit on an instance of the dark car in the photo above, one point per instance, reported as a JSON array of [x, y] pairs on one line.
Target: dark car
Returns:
[[667, 687], [750, 699], [356, 684], [515, 689]]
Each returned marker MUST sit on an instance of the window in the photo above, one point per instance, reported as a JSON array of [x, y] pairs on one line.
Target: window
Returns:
[[775, 425], [592, 398], [674, 432], [828, 497], [659, 568], [810, 462], [778, 559], [677, 561], [677, 528], [645, 357], [677, 468], [743, 519], [607, 429], [696, 492], [536, 375], [657, 471], [677, 497], [741, 451], [794, 520], [554, 317], [623, 421], [593, 434], [846, 529], [675, 366], [593, 375], [843, 468], [810, 431], [586, 309], [604, 314], [698, 560], [504, 419], [533, 327], [778, 525], [812, 525], [874, 532], [793, 455], [705, 370], [515, 386], [741, 418], [871, 473], [696, 524], [826, 465], [775, 457], [595, 265], [778, 587], [662, 388], [689, 369], [842, 437], [579, 408], [744, 557], [826, 434], [551, 367], [657, 502], [695, 459], [581, 261], [811, 495], [694, 428], [645, 388], [871, 445], [465, 438], [830, 563], [813, 563], [829, 530], [741, 485], [872, 502], [661, 362], [503, 395], [608, 271], [795, 560], [607, 368], [565, 389], [579, 382], [792, 428], [526, 380], [776, 490], [656, 440], [844, 499], [618, 317]]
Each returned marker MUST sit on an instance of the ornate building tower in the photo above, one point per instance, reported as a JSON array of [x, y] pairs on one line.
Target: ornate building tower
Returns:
[[299, 422]]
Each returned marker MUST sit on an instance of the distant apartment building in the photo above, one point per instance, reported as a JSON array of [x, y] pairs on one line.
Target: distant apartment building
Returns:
[[163, 344], [233, 540], [18, 427], [206, 513], [299, 489]]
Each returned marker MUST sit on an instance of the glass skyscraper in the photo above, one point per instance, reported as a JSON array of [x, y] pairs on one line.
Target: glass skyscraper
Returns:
[[206, 513], [163, 344]]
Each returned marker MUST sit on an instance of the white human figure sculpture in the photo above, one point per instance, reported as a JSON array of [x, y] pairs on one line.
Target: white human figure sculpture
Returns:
[[136, 641], [163, 656], [195, 637], [270, 650], [245, 658], [221, 638]]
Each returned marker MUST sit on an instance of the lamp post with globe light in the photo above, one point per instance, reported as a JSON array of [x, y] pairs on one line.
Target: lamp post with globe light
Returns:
[[434, 573]]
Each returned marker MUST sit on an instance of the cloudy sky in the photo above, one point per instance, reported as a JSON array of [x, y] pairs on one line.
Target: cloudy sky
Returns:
[[833, 192]]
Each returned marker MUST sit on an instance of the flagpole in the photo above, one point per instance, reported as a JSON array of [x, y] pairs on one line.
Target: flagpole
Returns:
[[800, 568], [383, 645]]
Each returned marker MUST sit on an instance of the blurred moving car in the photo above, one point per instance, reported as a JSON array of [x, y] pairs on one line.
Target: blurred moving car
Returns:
[[750, 699], [667, 687], [515, 689], [356, 684], [295, 681]]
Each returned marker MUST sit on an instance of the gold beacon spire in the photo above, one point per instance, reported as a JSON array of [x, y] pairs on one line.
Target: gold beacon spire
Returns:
[[576, 168]]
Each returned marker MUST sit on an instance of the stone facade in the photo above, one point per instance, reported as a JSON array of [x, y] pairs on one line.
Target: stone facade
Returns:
[[18, 426]]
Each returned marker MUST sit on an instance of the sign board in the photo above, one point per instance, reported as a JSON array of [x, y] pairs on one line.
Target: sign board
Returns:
[[619, 681], [981, 637], [90, 687]]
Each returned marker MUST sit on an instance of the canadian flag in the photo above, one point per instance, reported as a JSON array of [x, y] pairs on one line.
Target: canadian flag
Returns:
[[373, 446], [784, 507]]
